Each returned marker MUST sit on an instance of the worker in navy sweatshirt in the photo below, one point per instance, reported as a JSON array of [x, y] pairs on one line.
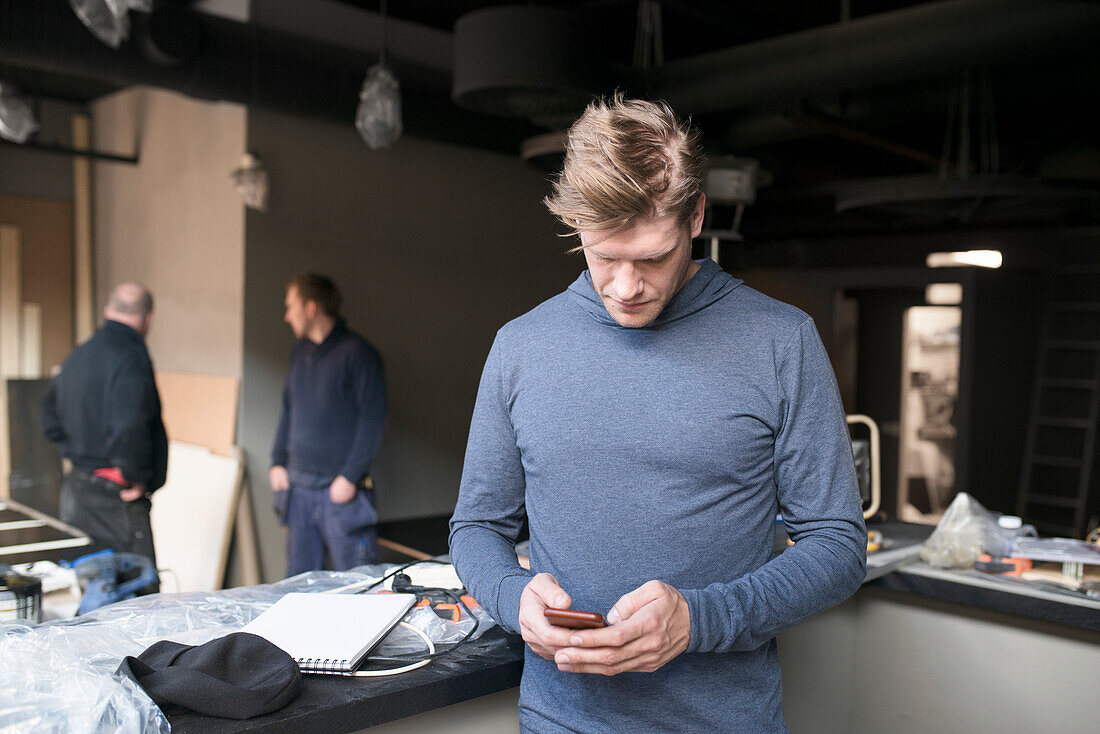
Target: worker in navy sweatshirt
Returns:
[[330, 431], [650, 422]]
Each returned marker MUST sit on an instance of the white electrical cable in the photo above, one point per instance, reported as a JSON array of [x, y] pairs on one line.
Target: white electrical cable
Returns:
[[404, 669], [349, 587]]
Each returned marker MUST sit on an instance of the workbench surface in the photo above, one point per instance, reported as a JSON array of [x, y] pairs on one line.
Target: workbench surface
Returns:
[[334, 704]]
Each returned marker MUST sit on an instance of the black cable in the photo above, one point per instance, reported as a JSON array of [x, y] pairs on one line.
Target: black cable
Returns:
[[400, 569], [404, 586]]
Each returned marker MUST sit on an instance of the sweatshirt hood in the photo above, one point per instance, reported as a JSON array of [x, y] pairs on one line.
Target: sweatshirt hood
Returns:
[[708, 285]]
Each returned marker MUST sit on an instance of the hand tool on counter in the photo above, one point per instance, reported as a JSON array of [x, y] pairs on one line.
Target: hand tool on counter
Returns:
[[1004, 565], [108, 577]]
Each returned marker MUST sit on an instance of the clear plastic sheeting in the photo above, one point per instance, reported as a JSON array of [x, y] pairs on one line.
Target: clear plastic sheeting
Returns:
[[109, 20], [17, 120], [966, 531], [250, 181], [61, 679], [378, 118], [59, 676]]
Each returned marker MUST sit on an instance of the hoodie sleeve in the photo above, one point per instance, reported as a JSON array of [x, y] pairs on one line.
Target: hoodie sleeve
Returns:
[[491, 506], [279, 454], [819, 500], [133, 412], [369, 386]]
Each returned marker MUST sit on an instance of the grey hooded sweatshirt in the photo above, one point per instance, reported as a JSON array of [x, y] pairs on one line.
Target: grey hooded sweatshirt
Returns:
[[663, 452]]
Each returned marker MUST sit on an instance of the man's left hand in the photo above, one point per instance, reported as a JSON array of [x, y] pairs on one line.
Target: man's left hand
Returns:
[[647, 627], [341, 491]]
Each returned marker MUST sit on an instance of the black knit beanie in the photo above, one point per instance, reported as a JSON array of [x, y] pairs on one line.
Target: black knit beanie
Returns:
[[237, 676]]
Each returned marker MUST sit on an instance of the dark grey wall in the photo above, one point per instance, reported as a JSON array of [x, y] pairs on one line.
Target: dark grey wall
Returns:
[[434, 246], [35, 173]]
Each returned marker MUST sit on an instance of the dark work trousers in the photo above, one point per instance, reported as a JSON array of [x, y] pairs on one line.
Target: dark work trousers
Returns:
[[92, 504], [316, 525]]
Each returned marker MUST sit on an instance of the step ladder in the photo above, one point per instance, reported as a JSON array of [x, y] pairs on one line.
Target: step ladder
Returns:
[[1057, 470]]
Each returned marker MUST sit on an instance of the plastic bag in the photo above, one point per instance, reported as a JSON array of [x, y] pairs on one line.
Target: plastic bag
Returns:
[[966, 531], [109, 20], [378, 118], [17, 120], [251, 182], [59, 676]]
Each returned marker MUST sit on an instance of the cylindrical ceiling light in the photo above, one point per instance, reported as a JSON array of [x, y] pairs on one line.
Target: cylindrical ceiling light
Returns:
[[523, 61]]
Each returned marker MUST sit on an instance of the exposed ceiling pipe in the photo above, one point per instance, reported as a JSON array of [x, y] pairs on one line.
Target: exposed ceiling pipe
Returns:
[[242, 63], [921, 42]]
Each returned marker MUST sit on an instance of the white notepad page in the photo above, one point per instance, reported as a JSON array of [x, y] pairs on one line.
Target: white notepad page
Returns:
[[330, 632]]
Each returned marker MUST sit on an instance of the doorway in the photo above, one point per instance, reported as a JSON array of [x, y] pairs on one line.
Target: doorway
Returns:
[[927, 431]]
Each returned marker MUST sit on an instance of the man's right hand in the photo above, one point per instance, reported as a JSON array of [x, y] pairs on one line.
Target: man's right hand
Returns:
[[279, 478], [544, 638], [131, 493]]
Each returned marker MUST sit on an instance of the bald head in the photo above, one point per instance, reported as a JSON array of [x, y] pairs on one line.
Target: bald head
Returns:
[[131, 304]]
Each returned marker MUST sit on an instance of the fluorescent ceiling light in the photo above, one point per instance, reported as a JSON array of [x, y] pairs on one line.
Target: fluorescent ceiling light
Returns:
[[943, 294], [976, 258]]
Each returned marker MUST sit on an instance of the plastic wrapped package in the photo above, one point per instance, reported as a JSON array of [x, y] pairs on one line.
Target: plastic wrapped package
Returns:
[[966, 531], [61, 680], [59, 676]]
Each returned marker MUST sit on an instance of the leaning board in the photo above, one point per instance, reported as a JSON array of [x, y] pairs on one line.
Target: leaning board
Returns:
[[199, 409], [193, 516]]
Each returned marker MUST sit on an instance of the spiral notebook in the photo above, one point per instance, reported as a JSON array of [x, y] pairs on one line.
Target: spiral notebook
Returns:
[[330, 633]]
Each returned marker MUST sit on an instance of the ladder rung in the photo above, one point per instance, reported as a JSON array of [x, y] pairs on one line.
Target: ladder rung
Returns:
[[1078, 384], [1065, 461], [1074, 306], [1074, 344], [1052, 500], [1059, 422]]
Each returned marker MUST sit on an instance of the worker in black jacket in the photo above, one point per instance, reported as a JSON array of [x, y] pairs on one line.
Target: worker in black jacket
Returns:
[[103, 411]]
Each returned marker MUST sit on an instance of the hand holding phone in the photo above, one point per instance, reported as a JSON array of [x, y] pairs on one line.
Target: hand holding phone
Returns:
[[574, 619]]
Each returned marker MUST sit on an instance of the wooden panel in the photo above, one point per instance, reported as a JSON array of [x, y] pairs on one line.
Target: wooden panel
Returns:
[[200, 409], [84, 294], [193, 517], [46, 234], [11, 299], [30, 349], [10, 322]]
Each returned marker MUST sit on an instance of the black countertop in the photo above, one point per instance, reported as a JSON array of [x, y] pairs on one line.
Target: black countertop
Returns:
[[976, 589], [334, 704]]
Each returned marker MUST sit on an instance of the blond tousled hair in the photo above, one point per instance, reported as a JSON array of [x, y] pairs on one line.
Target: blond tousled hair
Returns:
[[626, 161]]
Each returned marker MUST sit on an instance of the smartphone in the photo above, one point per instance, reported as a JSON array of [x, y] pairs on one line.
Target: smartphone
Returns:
[[574, 619]]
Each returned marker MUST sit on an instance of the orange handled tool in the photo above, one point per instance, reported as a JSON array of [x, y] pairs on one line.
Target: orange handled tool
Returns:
[[1006, 566]]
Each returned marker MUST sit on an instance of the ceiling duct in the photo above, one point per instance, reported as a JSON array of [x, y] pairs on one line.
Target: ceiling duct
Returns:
[[930, 40], [522, 61]]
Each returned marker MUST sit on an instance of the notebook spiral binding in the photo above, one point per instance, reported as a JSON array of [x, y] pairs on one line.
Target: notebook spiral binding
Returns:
[[324, 665]]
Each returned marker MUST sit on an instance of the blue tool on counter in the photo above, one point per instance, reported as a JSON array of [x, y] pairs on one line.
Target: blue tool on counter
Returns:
[[111, 577]]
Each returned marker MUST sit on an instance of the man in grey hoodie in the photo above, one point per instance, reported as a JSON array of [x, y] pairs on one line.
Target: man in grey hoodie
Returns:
[[650, 422]]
